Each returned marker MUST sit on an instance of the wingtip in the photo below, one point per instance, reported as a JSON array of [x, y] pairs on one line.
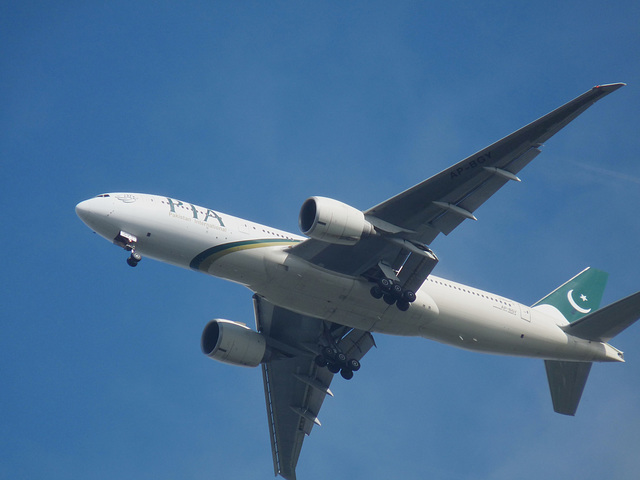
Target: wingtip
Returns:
[[610, 87]]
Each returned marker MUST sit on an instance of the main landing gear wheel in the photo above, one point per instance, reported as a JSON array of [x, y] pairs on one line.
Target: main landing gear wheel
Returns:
[[389, 299], [353, 365], [336, 361], [346, 373], [321, 361], [409, 296], [385, 285], [402, 305], [333, 368], [392, 292]]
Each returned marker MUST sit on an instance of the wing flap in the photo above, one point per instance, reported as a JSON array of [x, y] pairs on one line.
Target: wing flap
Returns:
[[356, 344], [416, 270], [348, 260]]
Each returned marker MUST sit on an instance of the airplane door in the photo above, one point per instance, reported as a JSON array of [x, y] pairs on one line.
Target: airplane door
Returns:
[[525, 313]]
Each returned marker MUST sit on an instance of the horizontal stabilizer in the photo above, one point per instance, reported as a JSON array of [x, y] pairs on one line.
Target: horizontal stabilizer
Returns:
[[566, 382], [604, 324]]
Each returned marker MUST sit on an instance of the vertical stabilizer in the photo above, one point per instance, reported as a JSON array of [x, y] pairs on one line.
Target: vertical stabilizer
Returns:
[[574, 299], [579, 296]]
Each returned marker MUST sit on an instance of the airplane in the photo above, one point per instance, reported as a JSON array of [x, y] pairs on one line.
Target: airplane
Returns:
[[318, 298]]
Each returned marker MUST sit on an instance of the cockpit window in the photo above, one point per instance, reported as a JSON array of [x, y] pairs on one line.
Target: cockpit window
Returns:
[[102, 195]]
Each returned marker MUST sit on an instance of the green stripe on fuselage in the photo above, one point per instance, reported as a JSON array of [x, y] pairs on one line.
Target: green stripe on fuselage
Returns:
[[205, 259]]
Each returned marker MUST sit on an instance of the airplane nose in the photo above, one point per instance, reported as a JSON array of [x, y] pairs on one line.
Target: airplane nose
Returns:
[[95, 211], [83, 210], [98, 214]]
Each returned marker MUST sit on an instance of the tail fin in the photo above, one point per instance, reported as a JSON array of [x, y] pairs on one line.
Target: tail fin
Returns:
[[579, 296], [574, 299], [579, 300], [567, 379]]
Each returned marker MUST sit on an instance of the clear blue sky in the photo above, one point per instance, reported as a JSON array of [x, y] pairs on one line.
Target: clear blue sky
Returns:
[[249, 108]]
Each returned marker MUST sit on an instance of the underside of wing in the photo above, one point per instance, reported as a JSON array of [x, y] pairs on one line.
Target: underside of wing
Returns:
[[443, 201], [295, 384], [407, 223]]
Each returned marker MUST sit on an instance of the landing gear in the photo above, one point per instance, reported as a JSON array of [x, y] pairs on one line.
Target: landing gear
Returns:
[[134, 259], [402, 305], [389, 299], [392, 292], [409, 296], [129, 242], [376, 292], [336, 361], [333, 367], [353, 365], [346, 374]]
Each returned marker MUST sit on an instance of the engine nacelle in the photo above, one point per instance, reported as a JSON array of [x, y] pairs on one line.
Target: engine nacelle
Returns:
[[332, 221], [233, 343]]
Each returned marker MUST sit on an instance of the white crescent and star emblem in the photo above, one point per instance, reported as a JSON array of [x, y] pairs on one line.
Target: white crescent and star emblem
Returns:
[[575, 305]]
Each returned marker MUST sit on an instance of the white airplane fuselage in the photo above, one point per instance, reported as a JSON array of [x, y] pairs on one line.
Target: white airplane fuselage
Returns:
[[257, 257]]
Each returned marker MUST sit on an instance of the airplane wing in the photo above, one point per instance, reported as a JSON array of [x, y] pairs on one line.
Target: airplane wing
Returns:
[[412, 219], [295, 387]]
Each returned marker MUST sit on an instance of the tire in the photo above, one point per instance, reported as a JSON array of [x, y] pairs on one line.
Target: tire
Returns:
[[320, 361], [346, 373], [402, 305], [396, 289], [333, 368], [353, 365], [409, 296], [385, 284], [131, 262], [376, 292], [341, 358], [389, 299], [328, 354]]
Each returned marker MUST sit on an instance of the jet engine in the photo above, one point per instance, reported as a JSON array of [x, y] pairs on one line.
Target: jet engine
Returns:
[[332, 221], [233, 343]]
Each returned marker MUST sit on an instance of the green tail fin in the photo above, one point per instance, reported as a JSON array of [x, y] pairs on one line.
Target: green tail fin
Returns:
[[579, 296]]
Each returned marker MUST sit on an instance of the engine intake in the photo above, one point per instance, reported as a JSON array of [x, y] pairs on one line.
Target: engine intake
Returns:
[[233, 343], [332, 221]]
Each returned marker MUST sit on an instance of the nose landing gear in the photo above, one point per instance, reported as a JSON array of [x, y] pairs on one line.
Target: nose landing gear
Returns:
[[128, 242], [134, 259]]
